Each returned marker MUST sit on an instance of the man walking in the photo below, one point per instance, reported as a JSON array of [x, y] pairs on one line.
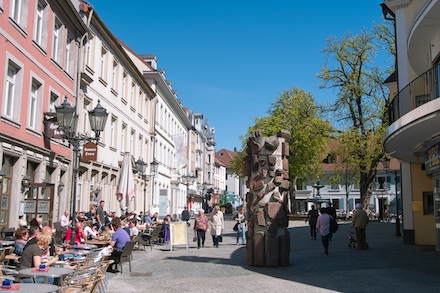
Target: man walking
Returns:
[[312, 217], [100, 217], [185, 215], [360, 222]]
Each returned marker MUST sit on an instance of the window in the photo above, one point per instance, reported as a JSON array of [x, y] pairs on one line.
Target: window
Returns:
[[132, 94], [35, 100], [38, 24], [335, 204], [68, 57], [85, 114], [113, 127], [13, 85], [428, 203], [103, 63], [140, 148], [52, 101], [330, 159], [16, 10], [57, 39], [132, 141], [140, 103], [123, 136], [11, 82], [124, 84], [88, 53], [114, 83]]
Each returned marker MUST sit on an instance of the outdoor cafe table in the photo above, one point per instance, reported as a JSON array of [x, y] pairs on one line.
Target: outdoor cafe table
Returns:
[[76, 251], [31, 287], [87, 246], [6, 243], [97, 242], [53, 272]]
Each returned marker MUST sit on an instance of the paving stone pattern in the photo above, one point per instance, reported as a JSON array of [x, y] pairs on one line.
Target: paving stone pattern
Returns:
[[388, 266]]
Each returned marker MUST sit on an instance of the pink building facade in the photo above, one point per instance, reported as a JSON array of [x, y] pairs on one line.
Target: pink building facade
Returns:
[[40, 41]]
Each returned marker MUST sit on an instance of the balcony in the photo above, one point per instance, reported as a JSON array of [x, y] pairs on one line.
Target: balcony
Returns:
[[421, 90], [414, 116]]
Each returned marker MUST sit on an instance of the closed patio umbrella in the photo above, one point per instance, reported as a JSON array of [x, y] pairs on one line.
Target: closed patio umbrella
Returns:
[[125, 188]]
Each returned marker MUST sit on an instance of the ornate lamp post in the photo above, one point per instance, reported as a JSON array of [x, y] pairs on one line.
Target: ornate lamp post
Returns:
[[188, 179], [386, 166], [141, 166], [67, 122], [207, 196]]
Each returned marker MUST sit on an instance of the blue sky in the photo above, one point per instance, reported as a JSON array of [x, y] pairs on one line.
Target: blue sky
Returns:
[[230, 59]]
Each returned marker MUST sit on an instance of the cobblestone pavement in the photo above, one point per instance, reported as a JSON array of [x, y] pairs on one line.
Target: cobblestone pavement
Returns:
[[388, 266]]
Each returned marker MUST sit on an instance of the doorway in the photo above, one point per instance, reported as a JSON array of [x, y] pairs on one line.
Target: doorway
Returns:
[[38, 202]]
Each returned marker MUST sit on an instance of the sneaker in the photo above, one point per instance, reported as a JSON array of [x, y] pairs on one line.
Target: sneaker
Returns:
[[238, 243]]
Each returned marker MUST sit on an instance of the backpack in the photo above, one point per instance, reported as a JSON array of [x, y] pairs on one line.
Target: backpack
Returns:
[[333, 225]]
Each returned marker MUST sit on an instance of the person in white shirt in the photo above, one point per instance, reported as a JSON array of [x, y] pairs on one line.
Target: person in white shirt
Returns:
[[89, 231], [64, 220], [133, 230]]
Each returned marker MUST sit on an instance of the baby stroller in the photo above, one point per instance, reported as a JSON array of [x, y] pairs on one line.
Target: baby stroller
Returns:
[[352, 239]]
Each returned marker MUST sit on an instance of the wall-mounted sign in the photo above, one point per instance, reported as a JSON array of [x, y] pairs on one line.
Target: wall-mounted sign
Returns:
[[90, 151], [432, 159], [30, 206], [52, 130]]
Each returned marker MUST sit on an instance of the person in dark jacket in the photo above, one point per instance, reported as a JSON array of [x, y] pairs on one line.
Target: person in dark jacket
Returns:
[[312, 217], [185, 215]]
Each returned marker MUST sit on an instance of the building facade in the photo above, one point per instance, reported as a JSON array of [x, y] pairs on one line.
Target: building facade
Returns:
[[413, 132], [56, 51], [40, 43]]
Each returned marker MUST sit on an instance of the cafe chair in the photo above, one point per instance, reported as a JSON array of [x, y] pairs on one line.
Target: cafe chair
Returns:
[[141, 241], [126, 254], [89, 284], [8, 234]]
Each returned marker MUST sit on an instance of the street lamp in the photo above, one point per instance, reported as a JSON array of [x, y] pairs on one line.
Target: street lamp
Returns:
[[188, 179], [141, 166], [67, 122], [207, 196], [386, 166], [25, 183]]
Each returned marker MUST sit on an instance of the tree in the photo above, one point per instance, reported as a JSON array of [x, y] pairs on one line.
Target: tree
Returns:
[[361, 101], [294, 110]]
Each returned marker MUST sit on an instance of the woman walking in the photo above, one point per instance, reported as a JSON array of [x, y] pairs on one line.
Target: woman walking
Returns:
[[323, 226], [240, 225], [217, 225], [201, 224]]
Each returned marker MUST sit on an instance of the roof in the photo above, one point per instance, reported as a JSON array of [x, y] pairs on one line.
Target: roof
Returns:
[[224, 157]]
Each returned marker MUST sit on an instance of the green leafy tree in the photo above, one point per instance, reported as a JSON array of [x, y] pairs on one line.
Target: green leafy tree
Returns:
[[360, 106], [295, 111]]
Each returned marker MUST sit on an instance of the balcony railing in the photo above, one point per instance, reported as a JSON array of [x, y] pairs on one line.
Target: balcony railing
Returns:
[[421, 90]]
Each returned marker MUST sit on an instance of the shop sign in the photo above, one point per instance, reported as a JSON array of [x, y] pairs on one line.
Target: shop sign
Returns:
[[52, 129], [90, 151]]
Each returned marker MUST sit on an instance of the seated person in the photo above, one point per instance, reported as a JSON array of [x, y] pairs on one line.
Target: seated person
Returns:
[[79, 236], [32, 239], [119, 238], [48, 230], [134, 232], [90, 231], [21, 235], [32, 255]]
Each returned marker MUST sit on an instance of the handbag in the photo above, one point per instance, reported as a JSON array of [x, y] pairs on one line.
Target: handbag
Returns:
[[235, 227], [195, 237], [220, 238]]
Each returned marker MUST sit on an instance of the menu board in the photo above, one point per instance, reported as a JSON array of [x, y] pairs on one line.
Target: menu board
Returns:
[[178, 234]]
